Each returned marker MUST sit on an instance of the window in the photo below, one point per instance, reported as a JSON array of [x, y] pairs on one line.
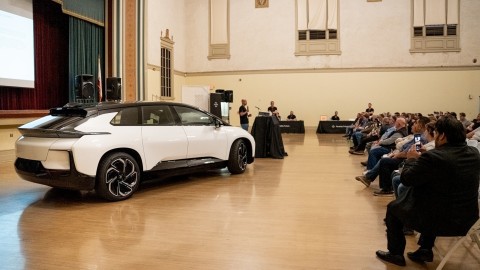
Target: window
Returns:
[[158, 115], [126, 117], [317, 27], [435, 26], [219, 46], [192, 117], [166, 67]]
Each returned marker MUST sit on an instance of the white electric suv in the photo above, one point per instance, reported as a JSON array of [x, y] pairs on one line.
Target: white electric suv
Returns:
[[112, 147]]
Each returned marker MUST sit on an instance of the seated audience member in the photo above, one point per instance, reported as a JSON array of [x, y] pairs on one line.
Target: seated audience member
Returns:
[[475, 123], [369, 132], [387, 123], [292, 116], [273, 110], [335, 116], [385, 146], [474, 134], [429, 134], [452, 114], [440, 201], [398, 187], [387, 127], [374, 135], [389, 164], [350, 129], [370, 174], [463, 120], [361, 131]]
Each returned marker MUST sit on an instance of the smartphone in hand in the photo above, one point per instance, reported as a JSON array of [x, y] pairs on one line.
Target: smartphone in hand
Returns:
[[417, 142]]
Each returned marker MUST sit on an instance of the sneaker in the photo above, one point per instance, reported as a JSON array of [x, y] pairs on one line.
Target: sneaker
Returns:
[[364, 163], [360, 153], [364, 180], [382, 192]]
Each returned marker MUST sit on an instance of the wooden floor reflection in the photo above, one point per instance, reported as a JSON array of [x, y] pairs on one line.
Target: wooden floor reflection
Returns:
[[302, 212]]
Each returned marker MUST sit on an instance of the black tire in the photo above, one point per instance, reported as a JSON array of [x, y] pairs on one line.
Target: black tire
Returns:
[[118, 177], [237, 160]]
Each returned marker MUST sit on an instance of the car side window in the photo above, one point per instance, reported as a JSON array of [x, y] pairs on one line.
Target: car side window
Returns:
[[157, 115], [192, 117], [126, 117]]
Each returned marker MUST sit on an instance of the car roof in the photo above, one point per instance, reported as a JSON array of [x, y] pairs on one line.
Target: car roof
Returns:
[[79, 109], [114, 105]]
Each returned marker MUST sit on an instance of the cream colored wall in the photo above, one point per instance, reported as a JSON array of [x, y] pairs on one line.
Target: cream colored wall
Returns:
[[162, 15], [312, 94], [375, 64], [153, 85], [372, 34], [9, 132]]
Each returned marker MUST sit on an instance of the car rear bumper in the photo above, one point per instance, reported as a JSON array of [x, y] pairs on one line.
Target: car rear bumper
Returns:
[[33, 171]]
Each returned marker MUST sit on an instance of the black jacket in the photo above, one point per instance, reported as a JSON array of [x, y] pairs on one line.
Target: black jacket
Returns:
[[443, 194]]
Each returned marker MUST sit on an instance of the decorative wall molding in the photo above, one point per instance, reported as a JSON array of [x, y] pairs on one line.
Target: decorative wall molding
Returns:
[[261, 3], [329, 70]]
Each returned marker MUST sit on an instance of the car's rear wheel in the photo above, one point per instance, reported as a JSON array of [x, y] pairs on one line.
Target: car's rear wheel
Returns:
[[237, 161], [118, 177]]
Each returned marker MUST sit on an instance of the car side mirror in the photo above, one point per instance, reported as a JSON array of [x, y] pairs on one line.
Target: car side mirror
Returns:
[[218, 123]]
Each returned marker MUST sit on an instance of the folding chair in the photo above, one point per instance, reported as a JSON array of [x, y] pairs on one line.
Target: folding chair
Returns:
[[473, 233]]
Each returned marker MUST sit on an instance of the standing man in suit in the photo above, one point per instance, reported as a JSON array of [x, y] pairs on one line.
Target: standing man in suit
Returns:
[[442, 199], [244, 114]]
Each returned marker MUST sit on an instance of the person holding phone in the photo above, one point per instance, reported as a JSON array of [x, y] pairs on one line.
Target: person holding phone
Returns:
[[418, 144], [389, 164], [439, 196]]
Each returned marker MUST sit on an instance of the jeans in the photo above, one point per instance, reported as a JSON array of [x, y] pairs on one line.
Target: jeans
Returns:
[[398, 187], [244, 126], [373, 173], [374, 156], [357, 138], [387, 166]]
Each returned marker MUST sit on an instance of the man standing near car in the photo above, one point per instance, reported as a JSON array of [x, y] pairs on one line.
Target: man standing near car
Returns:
[[244, 114]]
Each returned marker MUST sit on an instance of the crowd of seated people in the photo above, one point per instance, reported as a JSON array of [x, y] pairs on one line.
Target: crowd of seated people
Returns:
[[390, 149]]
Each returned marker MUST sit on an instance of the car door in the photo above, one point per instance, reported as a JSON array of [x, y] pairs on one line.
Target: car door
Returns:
[[204, 139], [164, 142]]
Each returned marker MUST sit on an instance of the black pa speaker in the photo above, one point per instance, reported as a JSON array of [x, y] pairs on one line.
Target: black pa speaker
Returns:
[[215, 104], [222, 93], [114, 88], [229, 96], [84, 88]]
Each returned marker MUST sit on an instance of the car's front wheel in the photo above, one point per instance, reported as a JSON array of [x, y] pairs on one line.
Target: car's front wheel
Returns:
[[237, 161], [118, 177]]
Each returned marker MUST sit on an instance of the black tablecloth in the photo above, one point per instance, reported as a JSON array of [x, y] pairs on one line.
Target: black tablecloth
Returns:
[[333, 126], [268, 139], [292, 127]]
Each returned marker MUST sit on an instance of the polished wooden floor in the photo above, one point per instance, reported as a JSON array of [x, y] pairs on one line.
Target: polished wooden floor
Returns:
[[303, 212]]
